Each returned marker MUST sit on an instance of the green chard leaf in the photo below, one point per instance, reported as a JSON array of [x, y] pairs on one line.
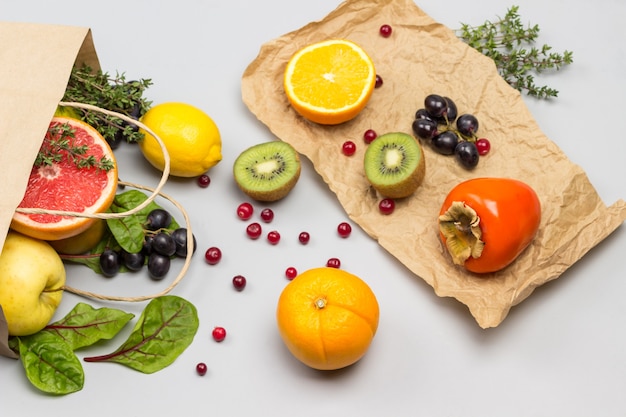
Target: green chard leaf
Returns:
[[165, 329], [84, 325], [50, 363], [129, 230]]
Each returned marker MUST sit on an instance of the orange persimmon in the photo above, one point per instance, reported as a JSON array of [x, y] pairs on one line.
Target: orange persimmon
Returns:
[[486, 223]]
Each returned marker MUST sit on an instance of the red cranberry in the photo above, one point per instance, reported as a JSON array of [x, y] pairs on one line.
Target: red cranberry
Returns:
[[244, 211], [386, 206], [385, 31], [304, 237], [213, 255], [204, 180], [344, 229], [291, 273], [219, 334], [273, 237], [333, 263], [483, 145], [267, 215], [348, 148], [379, 81], [369, 136], [201, 368], [254, 230], [239, 282]]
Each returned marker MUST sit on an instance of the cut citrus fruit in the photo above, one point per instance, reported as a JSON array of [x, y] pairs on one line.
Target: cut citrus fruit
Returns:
[[329, 82], [68, 180], [327, 318]]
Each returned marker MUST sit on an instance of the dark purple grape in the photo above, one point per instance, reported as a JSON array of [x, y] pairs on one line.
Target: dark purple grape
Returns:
[[451, 110], [163, 244], [423, 114], [158, 266], [180, 238], [146, 249], [445, 142], [467, 154], [425, 128], [133, 261], [435, 105], [109, 263], [467, 125], [158, 219]]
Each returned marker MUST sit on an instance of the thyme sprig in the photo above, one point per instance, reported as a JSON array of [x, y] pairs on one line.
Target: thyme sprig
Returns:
[[113, 93], [58, 144], [511, 45]]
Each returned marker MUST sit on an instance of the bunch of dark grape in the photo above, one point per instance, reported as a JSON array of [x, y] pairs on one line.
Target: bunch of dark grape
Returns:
[[449, 133], [159, 247]]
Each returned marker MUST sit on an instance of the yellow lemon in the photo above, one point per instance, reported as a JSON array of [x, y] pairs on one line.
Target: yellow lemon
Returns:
[[191, 137]]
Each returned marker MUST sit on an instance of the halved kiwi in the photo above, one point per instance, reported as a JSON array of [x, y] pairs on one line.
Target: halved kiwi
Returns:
[[394, 164], [267, 171]]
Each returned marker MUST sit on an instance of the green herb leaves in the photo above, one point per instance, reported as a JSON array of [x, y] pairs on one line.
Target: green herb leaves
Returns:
[[113, 93], [58, 145], [510, 44], [165, 329]]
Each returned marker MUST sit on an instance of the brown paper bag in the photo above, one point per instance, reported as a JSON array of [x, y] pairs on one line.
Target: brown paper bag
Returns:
[[35, 66], [422, 57]]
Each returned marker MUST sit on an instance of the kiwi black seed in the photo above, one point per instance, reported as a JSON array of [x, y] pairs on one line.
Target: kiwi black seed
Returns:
[[267, 171], [394, 164]]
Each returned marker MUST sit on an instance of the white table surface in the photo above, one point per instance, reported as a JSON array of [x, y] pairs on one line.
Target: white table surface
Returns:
[[562, 352]]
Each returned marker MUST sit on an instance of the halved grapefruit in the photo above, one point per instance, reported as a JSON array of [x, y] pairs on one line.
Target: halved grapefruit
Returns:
[[67, 181]]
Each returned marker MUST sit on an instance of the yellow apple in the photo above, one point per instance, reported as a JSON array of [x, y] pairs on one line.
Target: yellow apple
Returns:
[[32, 276]]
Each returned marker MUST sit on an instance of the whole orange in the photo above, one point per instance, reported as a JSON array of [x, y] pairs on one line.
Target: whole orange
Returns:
[[327, 318]]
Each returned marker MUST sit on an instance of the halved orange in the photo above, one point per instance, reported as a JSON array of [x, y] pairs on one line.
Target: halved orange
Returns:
[[329, 82], [327, 318], [66, 186]]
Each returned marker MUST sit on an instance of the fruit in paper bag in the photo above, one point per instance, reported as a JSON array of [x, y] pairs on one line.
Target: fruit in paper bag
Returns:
[[75, 171]]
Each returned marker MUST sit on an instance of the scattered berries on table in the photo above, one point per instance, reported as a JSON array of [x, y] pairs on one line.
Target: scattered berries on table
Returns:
[[201, 368], [219, 334], [239, 282], [386, 206], [291, 273], [304, 237], [333, 263], [204, 181], [369, 136], [254, 230], [379, 81], [213, 255], [385, 31], [245, 211], [348, 148], [267, 215], [344, 229], [273, 237]]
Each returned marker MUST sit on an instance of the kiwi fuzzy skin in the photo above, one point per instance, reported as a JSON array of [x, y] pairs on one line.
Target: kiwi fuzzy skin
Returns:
[[405, 187]]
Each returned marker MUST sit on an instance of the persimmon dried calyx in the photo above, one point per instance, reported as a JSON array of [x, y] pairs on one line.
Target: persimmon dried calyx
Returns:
[[460, 225]]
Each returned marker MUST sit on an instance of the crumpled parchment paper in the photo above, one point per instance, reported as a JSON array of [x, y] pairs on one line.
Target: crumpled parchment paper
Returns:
[[421, 57]]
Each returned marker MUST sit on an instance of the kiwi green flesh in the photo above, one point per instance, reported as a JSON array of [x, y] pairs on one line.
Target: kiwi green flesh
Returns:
[[267, 171], [394, 164]]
